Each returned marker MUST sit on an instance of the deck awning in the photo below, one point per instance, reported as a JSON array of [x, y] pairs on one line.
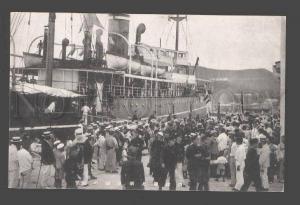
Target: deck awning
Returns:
[[30, 89]]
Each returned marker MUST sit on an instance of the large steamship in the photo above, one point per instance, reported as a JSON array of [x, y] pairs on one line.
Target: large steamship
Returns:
[[125, 80]]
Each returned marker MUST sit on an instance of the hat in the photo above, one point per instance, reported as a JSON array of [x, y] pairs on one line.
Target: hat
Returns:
[[60, 146], [88, 134], [261, 136], [46, 133], [160, 133], [56, 142], [78, 131], [193, 134], [108, 127], [90, 127], [16, 140], [132, 127], [80, 139]]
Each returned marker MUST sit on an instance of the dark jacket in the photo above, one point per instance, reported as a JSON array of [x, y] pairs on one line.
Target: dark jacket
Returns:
[[47, 155], [169, 156], [139, 144], [196, 162], [87, 152], [132, 171], [252, 162], [179, 147]]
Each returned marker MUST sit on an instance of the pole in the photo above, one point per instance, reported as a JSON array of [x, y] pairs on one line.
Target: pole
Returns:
[[50, 49], [177, 33], [282, 78]]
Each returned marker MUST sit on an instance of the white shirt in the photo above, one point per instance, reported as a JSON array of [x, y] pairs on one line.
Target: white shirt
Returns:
[[240, 155], [25, 160], [254, 133], [13, 163], [85, 109], [233, 149], [264, 157], [222, 140], [221, 160], [36, 147]]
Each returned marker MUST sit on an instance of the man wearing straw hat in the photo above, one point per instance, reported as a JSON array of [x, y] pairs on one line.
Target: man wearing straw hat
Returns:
[[132, 172], [111, 146], [25, 164], [264, 162], [47, 162], [79, 142], [13, 163]]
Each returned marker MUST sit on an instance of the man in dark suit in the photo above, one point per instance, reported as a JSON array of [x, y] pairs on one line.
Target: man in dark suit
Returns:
[[132, 172], [47, 161], [252, 168], [198, 163], [169, 162]]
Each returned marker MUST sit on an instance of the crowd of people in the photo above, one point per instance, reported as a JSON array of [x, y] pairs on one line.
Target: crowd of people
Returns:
[[187, 151]]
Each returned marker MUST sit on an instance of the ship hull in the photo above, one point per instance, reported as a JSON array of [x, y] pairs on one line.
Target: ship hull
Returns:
[[125, 108]]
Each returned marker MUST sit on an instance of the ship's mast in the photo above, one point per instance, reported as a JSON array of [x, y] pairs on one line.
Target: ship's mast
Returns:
[[177, 19], [50, 49]]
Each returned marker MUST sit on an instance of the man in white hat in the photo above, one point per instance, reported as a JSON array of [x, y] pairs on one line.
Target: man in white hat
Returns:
[[25, 164], [13, 163], [264, 162]]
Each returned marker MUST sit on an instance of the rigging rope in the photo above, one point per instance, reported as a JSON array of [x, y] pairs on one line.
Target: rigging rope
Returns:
[[169, 33], [18, 23], [71, 27], [65, 25]]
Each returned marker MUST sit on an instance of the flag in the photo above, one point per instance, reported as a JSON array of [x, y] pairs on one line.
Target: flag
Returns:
[[50, 108], [89, 21], [98, 100], [207, 97]]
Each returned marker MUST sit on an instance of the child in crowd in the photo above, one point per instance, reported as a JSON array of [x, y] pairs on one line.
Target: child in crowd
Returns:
[[221, 163]]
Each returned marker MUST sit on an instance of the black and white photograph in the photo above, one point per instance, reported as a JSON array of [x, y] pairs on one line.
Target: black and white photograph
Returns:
[[152, 102]]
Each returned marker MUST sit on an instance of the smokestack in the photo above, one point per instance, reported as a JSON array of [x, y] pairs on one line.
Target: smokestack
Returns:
[[139, 31], [45, 43], [117, 45]]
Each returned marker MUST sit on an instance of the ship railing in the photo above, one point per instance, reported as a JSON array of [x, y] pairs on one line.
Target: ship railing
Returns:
[[131, 91]]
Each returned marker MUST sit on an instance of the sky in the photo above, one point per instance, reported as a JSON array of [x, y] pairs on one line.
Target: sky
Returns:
[[220, 42]]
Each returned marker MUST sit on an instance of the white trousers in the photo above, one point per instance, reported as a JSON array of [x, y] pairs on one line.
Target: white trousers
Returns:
[[264, 178], [179, 173], [13, 179], [25, 180], [85, 177], [85, 118], [47, 176], [239, 178]]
